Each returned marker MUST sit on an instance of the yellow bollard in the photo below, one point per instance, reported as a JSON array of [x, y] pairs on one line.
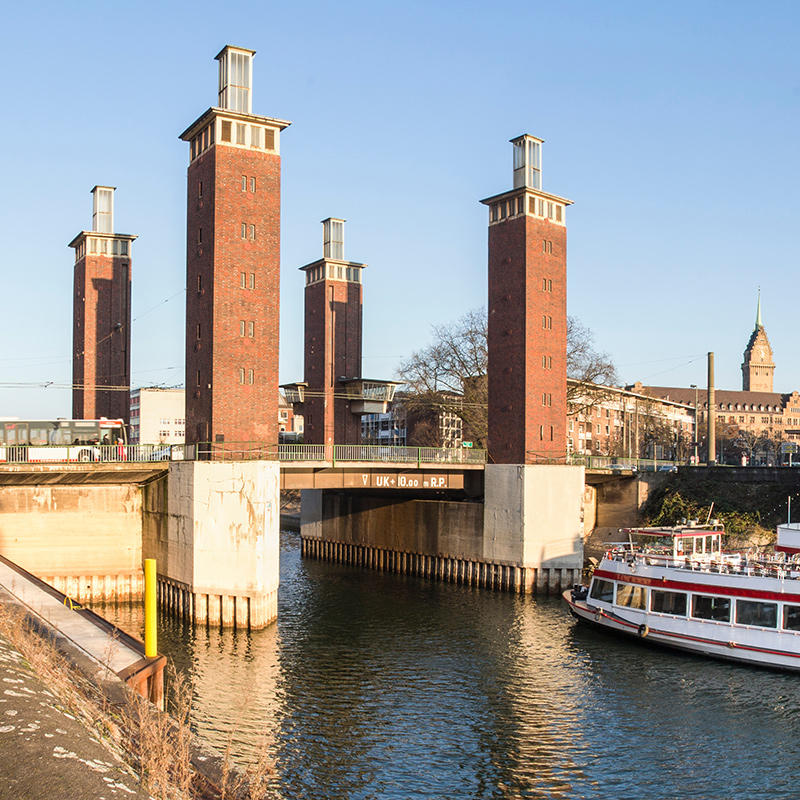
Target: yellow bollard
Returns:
[[150, 627]]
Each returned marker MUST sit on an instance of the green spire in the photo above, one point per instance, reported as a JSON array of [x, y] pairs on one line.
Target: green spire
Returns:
[[758, 311]]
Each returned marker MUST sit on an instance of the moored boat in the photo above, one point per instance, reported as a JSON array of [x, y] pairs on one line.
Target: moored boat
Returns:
[[677, 587]]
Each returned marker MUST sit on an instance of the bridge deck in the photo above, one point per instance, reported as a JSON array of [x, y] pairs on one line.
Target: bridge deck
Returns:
[[294, 474]]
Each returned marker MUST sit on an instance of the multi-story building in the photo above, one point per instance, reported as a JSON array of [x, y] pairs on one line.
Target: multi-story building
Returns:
[[527, 315], [101, 319], [233, 263], [290, 425], [405, 425], [157, 416], [610, 421], [387, 428]]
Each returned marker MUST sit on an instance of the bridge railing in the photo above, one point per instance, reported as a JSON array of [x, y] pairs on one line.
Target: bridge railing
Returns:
[[82, 453], [238, 451], [612, 463]]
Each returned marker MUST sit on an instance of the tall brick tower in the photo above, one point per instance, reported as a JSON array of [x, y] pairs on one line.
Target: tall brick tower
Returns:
[[101, 318], [527, 316], [333, 313], [233, 264], [758, 368]]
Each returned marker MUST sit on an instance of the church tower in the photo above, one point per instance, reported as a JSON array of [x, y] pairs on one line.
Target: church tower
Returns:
[[758, 367], [233, 264]]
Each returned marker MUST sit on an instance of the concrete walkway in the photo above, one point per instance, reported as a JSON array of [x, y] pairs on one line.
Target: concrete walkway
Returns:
[[106, 651], [45, 752]]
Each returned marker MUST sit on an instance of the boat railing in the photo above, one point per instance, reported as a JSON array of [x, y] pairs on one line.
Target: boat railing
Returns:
[[753, 564]]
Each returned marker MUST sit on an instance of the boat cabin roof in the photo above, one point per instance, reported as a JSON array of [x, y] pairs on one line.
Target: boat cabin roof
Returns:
[[677, 532]]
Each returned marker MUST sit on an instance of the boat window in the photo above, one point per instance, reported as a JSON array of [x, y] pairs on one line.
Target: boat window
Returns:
[[602, 590], [751, 612], [791, 618], [716, 608], [668, 602], [631, 596]]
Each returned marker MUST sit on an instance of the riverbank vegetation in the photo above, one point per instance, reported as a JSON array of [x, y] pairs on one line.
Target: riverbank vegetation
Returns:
[[750, 512]]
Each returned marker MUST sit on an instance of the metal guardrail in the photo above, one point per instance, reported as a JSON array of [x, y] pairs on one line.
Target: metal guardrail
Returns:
[[635, 464], [88, 453], [239, 451]]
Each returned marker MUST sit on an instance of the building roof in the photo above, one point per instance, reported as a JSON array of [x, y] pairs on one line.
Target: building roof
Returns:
[[681, 394]]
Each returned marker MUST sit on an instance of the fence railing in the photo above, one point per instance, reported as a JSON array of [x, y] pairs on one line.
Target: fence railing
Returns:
[[239, 451], [86, 453], [621, 464]]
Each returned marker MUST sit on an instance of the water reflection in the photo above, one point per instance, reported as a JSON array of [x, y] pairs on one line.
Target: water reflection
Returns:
[[384, 686]]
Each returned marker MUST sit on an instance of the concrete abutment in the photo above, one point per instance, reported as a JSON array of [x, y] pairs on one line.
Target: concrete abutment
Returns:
[[526, 536], [213, 529]]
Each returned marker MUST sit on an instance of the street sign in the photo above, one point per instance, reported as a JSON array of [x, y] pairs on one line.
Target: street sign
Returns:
[[466, 444]]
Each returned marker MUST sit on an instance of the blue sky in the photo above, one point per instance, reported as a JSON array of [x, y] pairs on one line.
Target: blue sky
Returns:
[[672, 126]]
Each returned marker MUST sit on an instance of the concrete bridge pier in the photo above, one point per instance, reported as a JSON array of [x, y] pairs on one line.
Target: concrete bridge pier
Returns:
[[213, 529], [533, 518], [525, 537]]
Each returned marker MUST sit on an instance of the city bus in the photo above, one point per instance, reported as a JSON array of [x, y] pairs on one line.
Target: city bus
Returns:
[[59, 440]]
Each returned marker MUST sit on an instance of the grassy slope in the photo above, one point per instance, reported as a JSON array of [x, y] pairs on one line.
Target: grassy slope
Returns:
[[750, 511]]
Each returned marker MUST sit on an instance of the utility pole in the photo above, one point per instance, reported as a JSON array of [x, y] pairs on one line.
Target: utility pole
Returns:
[[712, 434], [696, 431]]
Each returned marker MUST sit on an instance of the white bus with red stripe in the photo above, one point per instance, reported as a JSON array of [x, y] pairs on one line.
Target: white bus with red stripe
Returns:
[[61, 440], [676, 587]]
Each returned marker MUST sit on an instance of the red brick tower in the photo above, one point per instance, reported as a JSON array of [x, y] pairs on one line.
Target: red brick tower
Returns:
[[101, 318], [527, 316], [233, 264], [333, 309]]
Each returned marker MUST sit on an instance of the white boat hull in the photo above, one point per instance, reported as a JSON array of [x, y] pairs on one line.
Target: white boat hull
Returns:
[[775, 648]]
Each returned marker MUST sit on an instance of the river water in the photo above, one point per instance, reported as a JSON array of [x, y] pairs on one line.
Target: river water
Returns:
[[374, 685]]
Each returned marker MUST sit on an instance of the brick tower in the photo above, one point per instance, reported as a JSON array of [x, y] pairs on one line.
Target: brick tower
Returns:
[[233, 264], [527, 316], [333, 313], [758, 368], [101, 318]]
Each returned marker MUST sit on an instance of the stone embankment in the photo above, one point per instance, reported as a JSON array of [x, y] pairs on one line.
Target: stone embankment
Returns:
[[45, 750], [69, 727], [290, 510]]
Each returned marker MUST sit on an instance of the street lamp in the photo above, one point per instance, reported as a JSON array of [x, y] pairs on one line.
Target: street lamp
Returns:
[[696, 434]]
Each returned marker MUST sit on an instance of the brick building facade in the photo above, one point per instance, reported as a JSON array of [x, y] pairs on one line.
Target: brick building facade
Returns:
[[527, 316], [233, 264], [630, 423], [101, 318]]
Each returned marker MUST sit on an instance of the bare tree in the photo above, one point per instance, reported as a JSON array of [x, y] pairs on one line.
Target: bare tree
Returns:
[[585, 365], [450, 374]]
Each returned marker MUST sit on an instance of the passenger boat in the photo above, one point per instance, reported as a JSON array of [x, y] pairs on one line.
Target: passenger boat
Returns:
[[676, 587]]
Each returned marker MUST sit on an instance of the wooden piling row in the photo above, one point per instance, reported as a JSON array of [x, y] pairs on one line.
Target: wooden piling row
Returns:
[[499, 577], [107, 588], [227, 611]]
